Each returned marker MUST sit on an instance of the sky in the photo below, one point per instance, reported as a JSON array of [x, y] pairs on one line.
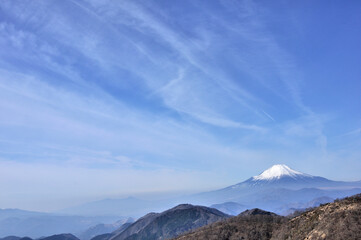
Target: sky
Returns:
[[109, 99]]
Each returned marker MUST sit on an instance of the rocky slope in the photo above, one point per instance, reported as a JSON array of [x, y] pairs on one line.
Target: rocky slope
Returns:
[[253, 224], [338, 220]]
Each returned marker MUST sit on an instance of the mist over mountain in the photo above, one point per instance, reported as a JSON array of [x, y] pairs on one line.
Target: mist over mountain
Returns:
[[231, 208], [279, 189], [35, 224], [64, 236], [102, 228], [291, 208], [10, 238], [18, 213], [129, 206]]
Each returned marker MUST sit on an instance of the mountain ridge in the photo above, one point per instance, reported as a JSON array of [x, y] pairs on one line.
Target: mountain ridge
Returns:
[[170, 223], [279, 189], [338, 220]]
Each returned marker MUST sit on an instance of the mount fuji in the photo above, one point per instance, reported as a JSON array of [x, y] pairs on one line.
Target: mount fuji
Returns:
[[281, 175], [278, 188]]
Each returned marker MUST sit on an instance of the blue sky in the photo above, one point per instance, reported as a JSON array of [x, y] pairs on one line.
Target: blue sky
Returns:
[[116, 98]]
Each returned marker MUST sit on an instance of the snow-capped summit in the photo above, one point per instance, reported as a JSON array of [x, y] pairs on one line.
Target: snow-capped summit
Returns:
[[278, 171], [276, 187], [281, 175]]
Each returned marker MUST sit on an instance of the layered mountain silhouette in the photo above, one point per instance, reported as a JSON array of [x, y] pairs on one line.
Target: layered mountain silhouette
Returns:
[[10, 238], [64, 236], [339, 220], [18, 213], [34, 224], [105, 229], [278, 189]]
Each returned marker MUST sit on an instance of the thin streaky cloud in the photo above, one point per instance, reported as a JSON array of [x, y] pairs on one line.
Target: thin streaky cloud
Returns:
[[269, 116], [210, 92]]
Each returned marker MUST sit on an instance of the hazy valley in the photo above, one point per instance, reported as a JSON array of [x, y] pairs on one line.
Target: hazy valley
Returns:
[[278, 189]]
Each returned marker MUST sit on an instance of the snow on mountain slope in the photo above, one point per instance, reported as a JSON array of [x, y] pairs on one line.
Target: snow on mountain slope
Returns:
[[281, 175], [278, 175], [278, 171]]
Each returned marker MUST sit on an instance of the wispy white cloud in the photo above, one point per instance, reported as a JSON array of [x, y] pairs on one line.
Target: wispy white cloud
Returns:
[[132, 89], [354, 132], [188, 50], [269, 116]]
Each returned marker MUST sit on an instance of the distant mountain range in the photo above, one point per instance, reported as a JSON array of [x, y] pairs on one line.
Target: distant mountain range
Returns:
[[279, 189], [272, 190], [34, 224], [65, 236], [338, 220], [18, 213], [102, 228]]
